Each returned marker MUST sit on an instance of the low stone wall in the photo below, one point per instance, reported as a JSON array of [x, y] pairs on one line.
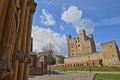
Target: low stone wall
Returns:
[[35, 71], [83, 58], [95, 62], [111, 62]]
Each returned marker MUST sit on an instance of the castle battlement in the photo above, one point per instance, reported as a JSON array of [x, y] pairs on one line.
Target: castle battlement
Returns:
[[80, 45], [82, 48]]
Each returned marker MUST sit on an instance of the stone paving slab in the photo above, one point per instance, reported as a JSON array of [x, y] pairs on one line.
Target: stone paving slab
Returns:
[[65, 76]]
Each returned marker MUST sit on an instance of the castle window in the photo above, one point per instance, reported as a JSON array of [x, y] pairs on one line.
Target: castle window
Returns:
[[88, 47], [112, 55], [72, 50], [79, 45]]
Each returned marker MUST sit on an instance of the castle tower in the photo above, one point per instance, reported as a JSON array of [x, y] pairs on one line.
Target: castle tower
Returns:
[[82, 34], [110, 53], [80, 45], [92, 42], [68, 37]]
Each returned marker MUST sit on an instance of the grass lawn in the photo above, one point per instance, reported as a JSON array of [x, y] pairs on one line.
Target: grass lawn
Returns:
[[107, 77], [87, 68]]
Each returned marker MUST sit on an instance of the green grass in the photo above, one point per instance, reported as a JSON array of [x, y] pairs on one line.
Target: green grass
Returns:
[[107, 77], [87, 68]]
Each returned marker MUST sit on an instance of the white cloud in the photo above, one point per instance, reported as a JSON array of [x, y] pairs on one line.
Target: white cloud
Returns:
[[46, 18], [42, 36], [109, 21], [73, 15]]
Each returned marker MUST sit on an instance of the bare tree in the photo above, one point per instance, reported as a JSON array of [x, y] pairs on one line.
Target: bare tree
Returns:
[[49, 49]]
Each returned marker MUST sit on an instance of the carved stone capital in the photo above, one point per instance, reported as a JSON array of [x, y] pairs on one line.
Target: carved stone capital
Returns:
[[23, 58], [17, 55], [29, 59], [5, 70], [32, 5]]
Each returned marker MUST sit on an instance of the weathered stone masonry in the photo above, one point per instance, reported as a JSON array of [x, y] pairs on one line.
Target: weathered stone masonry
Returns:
[[80, 45], [15, 35], [82, 50]]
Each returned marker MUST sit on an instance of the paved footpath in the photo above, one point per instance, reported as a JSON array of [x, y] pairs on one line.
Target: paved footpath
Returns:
[[65, 76]]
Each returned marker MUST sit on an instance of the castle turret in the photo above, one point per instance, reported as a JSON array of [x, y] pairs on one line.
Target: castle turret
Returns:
[[82, 34], [80, 45], [110, 53], [90, 36], [68, 37]]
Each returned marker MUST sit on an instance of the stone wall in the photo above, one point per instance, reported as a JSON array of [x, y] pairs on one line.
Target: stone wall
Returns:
[[110, 53], [59, 59], [83, 58], [35, 71], [82, 49], [33, 60], [38, 65], [15, 37], [80, 45]]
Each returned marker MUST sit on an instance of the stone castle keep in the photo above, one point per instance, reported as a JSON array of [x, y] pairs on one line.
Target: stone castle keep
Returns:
[[82, 51], [15, 38], [80, 45]]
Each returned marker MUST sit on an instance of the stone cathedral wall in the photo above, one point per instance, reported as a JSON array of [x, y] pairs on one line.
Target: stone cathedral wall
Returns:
[[15, 37]]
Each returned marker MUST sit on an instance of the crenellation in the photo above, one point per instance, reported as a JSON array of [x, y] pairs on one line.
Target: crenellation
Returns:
[[82, 35], [82, 49], [110, 53], [68, 36], [90, 36], [80, 45]]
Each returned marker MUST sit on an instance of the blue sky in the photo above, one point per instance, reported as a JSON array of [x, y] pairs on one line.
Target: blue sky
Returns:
[[54, 19]]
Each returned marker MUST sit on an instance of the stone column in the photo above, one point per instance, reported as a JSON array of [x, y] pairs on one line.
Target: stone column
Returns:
[[26, 72], [15, 59], [32, 5], [3, 11], [23, 46], [7, 41], [21, 67], [17, 49]]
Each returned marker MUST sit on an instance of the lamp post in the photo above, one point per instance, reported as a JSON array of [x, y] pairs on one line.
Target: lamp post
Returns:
[[49, 69], [89, 63]]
